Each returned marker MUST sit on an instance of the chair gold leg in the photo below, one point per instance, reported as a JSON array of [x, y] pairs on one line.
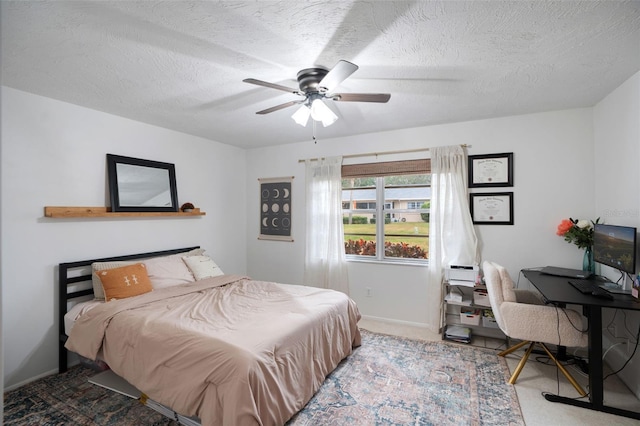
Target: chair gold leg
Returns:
[[564, 371], [523, 361], [513, 348]]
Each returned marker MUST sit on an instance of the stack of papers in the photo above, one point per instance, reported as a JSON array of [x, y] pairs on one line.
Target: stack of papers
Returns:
[[458, 298], [462, 283], [458, 334], [454, 295]]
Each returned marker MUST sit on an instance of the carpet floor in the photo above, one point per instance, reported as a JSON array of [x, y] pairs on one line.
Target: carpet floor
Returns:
[[387, 381]]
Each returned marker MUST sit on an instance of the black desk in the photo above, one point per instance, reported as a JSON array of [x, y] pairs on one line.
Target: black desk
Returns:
[[558, 291]]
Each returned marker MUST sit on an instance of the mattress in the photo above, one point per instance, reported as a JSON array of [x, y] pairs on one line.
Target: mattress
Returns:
[[77, 311]]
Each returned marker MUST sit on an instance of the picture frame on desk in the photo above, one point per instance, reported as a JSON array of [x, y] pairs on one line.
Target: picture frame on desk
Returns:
[[491, 208], [491, 170]]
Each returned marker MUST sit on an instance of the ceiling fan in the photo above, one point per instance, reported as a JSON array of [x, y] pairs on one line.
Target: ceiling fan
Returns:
[[316, 85]]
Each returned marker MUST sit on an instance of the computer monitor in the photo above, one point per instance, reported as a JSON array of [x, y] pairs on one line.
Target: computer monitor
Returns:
[[615, 246]]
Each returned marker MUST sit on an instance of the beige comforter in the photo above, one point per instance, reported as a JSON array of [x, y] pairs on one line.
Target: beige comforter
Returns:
[[229, 350]]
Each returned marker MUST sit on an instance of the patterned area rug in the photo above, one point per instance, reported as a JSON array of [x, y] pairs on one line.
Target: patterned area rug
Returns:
[[69, 399], [396, 381], [387, 381]]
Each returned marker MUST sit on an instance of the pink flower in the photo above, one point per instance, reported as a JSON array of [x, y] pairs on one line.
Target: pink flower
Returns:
[[578, 232], [564, 227]]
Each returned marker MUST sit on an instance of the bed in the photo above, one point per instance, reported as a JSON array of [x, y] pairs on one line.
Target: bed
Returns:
[[224, 348]]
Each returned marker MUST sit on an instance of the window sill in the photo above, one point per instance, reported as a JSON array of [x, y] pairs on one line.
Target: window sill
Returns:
[[389, 262]]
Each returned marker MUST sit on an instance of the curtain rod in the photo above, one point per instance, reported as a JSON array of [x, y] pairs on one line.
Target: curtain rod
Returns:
[[370, 154]]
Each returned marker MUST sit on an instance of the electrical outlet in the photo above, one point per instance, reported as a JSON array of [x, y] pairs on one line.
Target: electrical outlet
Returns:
[[368, 291]]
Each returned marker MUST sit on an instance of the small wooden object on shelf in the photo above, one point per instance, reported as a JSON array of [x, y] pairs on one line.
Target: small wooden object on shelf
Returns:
[[187, 207], [78, 212]]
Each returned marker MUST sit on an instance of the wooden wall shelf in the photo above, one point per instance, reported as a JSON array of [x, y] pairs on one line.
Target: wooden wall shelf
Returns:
[[71, 212]]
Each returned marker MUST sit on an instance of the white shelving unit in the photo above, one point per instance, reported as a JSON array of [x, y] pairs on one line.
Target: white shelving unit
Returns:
[[459, 288]]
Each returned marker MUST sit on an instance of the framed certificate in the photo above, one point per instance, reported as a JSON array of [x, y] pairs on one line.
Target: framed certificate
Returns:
[[491, 170], [495, 208]]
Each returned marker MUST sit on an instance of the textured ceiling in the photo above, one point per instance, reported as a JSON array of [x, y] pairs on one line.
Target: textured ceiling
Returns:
[[180, 64]]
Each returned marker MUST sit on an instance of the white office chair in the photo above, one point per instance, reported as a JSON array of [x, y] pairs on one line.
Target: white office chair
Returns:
[[522, 315]]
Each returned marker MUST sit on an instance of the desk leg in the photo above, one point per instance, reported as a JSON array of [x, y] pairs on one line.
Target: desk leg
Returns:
[[596, 385], [594, 313], [561, 354]]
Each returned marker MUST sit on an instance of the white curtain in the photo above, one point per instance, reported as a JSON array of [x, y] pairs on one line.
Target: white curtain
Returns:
[[452, 238], [325, 262]]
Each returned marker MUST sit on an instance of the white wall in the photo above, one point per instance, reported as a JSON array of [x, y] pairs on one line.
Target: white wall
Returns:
[[53, 153], [553, 177], [617, 196]]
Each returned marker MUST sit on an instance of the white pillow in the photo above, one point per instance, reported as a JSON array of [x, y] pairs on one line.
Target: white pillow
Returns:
[[98, 291], [167, 271], [202, 266]]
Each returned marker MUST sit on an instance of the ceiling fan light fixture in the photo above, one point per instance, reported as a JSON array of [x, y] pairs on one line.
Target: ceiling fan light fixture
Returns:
[[315, 85], [301, 116], [328, 121], [321, 112]]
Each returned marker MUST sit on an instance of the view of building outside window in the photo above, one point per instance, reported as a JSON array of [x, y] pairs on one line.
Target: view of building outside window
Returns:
[[403, 201]]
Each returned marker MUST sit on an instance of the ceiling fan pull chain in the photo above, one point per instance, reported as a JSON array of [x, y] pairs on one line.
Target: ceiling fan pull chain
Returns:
[[315, 141]]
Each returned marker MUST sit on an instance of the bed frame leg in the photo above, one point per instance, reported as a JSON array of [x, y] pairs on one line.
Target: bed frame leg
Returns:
[[62, 356]]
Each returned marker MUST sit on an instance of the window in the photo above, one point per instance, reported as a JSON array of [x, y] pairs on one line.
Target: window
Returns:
[[415, 204], [365, 205], [399, 192]]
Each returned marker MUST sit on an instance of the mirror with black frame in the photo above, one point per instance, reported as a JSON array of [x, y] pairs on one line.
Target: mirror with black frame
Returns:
[[137, 185]]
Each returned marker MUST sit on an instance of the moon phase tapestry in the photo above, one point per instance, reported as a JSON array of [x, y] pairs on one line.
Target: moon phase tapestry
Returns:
[[275, 209]]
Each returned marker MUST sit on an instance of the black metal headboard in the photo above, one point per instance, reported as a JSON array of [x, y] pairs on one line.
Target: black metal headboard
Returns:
[[68, 274]]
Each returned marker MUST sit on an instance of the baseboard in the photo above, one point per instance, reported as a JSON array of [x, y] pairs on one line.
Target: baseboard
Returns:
[[32, 379], [72, 361], [400, 322]]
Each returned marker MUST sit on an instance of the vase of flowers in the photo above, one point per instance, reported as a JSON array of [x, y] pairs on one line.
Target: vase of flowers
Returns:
[[588, 264], [580, 233]]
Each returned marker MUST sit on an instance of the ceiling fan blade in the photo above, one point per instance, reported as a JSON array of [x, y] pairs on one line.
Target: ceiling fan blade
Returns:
[[278, 107], [271, 85], [337, 75], [361, 97]]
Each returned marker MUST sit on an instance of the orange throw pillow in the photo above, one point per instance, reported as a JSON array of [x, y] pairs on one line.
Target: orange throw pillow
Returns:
[[127, 281]]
